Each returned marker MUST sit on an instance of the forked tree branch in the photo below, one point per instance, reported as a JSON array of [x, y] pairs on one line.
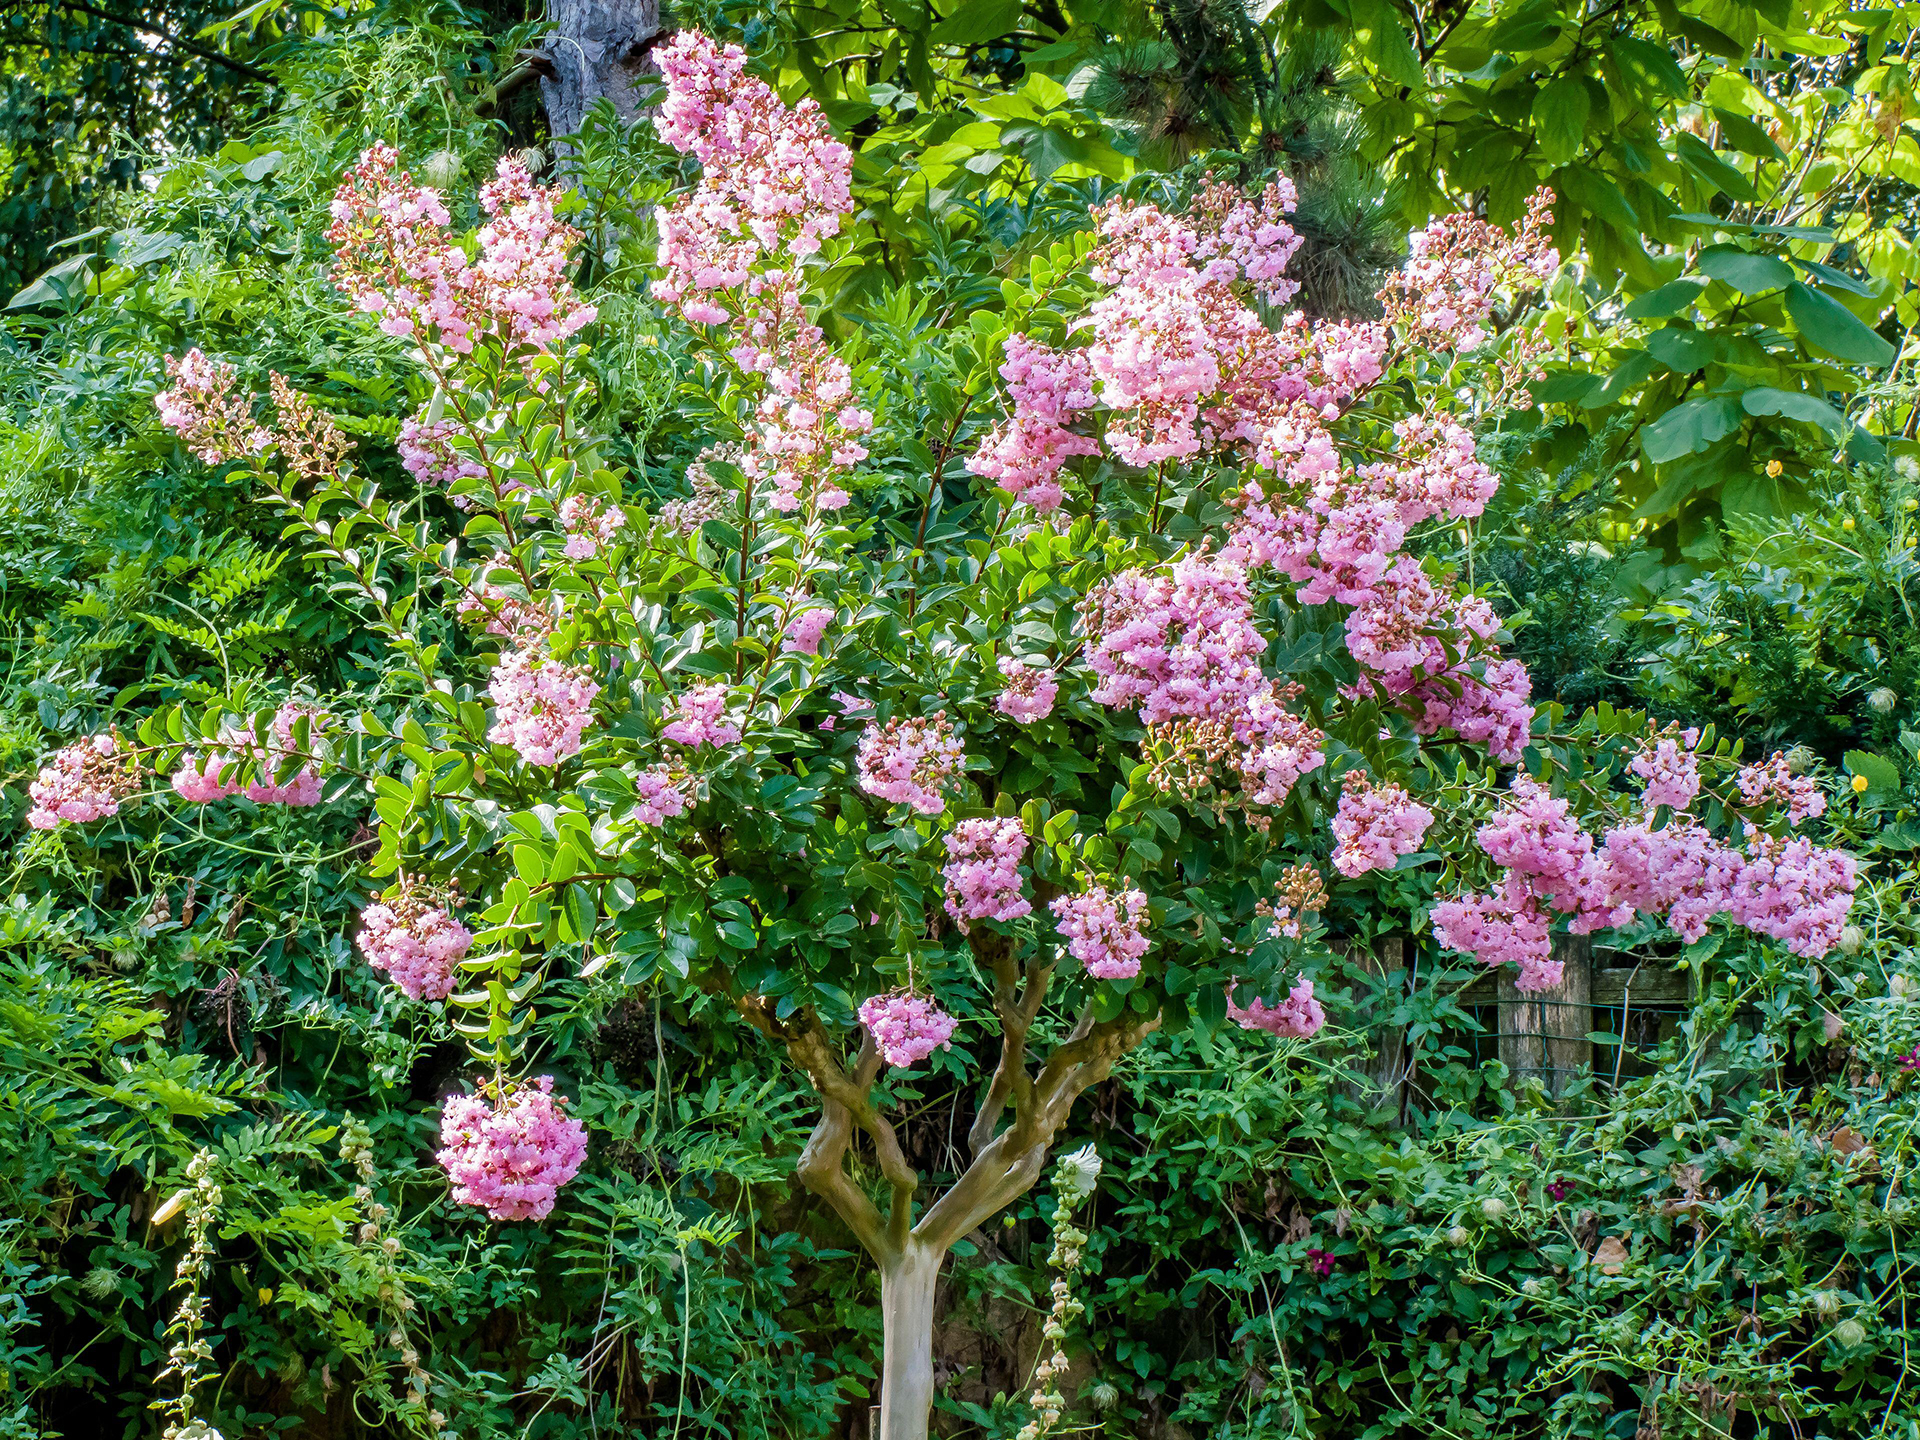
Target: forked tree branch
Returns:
[[1016, 1009], [1008, 1166]]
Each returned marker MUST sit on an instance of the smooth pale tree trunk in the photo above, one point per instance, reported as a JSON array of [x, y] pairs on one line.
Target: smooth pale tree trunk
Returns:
[[907, 1288], [597, 50], [907, 1248]]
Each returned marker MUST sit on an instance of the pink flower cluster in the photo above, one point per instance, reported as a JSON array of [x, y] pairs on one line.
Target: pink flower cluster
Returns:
[[1443, 297], [428, 454], [1183, 647], [416, 941], [510, 1154], [1401, 632], [83, 781], [212, 421], [1024, 453], [699, 717], [1670, 768], [1375, 825], [774, 184], [909, 761], [1030, 692], [1770, 782], [662, 795], [983, 870], [804, 629], [589, 525], [396, 259], [1298, 1017], [1786, 889], [1106, 932], [906, 1028], [541, 707]]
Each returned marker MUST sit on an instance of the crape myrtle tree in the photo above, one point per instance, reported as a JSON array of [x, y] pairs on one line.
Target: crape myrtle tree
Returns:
[[884, 771]]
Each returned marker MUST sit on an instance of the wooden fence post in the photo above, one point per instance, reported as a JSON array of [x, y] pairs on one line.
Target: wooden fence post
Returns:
[[1545, 1033]]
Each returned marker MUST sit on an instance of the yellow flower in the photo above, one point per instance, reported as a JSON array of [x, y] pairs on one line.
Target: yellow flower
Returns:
[[1774, 467], [266, 1295], [1859, 784]]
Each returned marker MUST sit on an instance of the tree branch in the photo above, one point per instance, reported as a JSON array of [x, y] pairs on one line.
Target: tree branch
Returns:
[[1008, 1166], [1016, 1010], [847, 1099], [252, 72]]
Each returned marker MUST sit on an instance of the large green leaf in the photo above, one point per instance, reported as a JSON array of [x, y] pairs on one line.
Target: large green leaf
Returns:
[[975, 21], [1794, 405], [1745, 271], [1653, 66], [1666, 301], [1698, 157], [1681, 350], [1827, 325], [1690, 426], [1560, 113]]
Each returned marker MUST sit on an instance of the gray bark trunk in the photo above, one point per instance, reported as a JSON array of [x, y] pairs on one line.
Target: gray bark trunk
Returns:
[[907, 1286], [596, 50]]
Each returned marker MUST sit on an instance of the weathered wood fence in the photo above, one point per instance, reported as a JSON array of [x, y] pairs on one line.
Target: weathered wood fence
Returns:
[[1546, 1034]]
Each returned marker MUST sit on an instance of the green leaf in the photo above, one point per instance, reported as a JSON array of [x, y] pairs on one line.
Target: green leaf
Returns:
[[58, 283], [1794, 405], [1698, 157], [1690, 427], [1746, 135], [1826, 324], [1533, 28], [1667, 301], [1560, 113], [1881, 774], [1745, 271], [1681, 350], [975, 21], [1650, 64]]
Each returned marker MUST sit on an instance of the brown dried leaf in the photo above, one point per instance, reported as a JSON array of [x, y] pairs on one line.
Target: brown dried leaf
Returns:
[[1611, 1255]]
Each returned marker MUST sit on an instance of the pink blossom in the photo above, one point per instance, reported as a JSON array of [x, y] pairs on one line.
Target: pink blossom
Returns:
[[83, 781], [1507, 927], [1375, 825], [699, 717], [1298, 1017], [500, 612], [1795, 892], [1106, 932], [805, 628], [983, 870], [1024, 453], [1670, 767], [212, 421], [910, 761], [427, 453], [1679, 873], [541, 707], [510, 1154], [198, 781], [414, 939], [300, 789], [1770, 782], [1030, 692], [396, 259], [661, 793], [589, 525], [906, 1028], [1183, 647], [1444, 296], [774, 185]]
